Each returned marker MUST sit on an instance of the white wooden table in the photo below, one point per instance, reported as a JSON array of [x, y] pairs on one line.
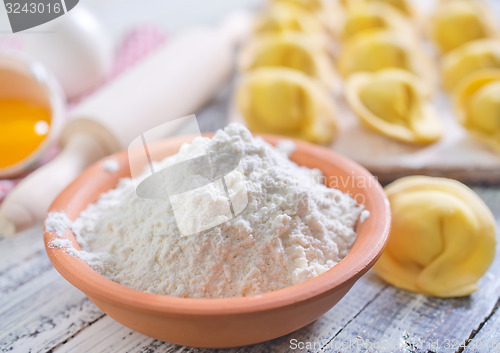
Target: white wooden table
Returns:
[[41, 312]]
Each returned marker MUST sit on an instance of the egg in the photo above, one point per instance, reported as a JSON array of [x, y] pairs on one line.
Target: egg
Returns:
[[75, 48], [24, 128]]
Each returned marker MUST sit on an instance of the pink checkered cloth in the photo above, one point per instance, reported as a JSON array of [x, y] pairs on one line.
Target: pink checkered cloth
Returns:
[[137, 44]]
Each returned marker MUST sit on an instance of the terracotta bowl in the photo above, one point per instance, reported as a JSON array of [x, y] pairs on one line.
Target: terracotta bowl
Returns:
[[227, 322]]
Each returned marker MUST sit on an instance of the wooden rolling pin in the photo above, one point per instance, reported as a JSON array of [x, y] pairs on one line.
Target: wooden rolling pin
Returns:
[[173, 82]]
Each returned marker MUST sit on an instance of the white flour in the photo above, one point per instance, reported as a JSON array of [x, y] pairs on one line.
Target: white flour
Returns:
[[294, 228]]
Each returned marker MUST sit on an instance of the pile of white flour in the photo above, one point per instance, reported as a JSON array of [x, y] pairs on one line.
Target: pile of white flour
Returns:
[[294, 228]]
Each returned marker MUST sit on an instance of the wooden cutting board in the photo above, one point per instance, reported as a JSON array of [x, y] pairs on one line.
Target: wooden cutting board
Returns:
[[457, 155]]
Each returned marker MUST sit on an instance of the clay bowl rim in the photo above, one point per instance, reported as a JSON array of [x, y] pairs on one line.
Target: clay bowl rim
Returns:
[[349, 269]]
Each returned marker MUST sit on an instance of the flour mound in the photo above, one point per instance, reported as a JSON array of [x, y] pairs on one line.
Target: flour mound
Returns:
[[293, 228]]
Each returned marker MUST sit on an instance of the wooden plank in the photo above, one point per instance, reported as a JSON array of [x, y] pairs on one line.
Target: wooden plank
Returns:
[[399, 320], [23, 271], [16, 249], [42, 313], [107, 335], [39, 308], [487, 338]]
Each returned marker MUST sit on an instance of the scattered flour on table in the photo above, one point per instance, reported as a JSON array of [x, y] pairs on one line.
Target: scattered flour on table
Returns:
[[294, 228]]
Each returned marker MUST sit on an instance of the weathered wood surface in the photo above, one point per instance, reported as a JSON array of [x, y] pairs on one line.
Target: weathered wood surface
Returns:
[[41, 312]]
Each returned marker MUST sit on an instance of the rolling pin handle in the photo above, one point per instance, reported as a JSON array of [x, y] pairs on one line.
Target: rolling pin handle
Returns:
[[16, 214]]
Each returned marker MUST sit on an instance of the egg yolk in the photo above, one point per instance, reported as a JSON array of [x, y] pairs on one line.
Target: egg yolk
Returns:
[[23, 127]]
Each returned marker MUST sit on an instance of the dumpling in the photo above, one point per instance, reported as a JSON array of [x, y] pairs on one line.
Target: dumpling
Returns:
[[294, 51], [458, 22], [374, 17], [283, 18], [402, 6], [477, 105], [442, 237], [470, 58], [377, 51], [287, 102], [393, 103]]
